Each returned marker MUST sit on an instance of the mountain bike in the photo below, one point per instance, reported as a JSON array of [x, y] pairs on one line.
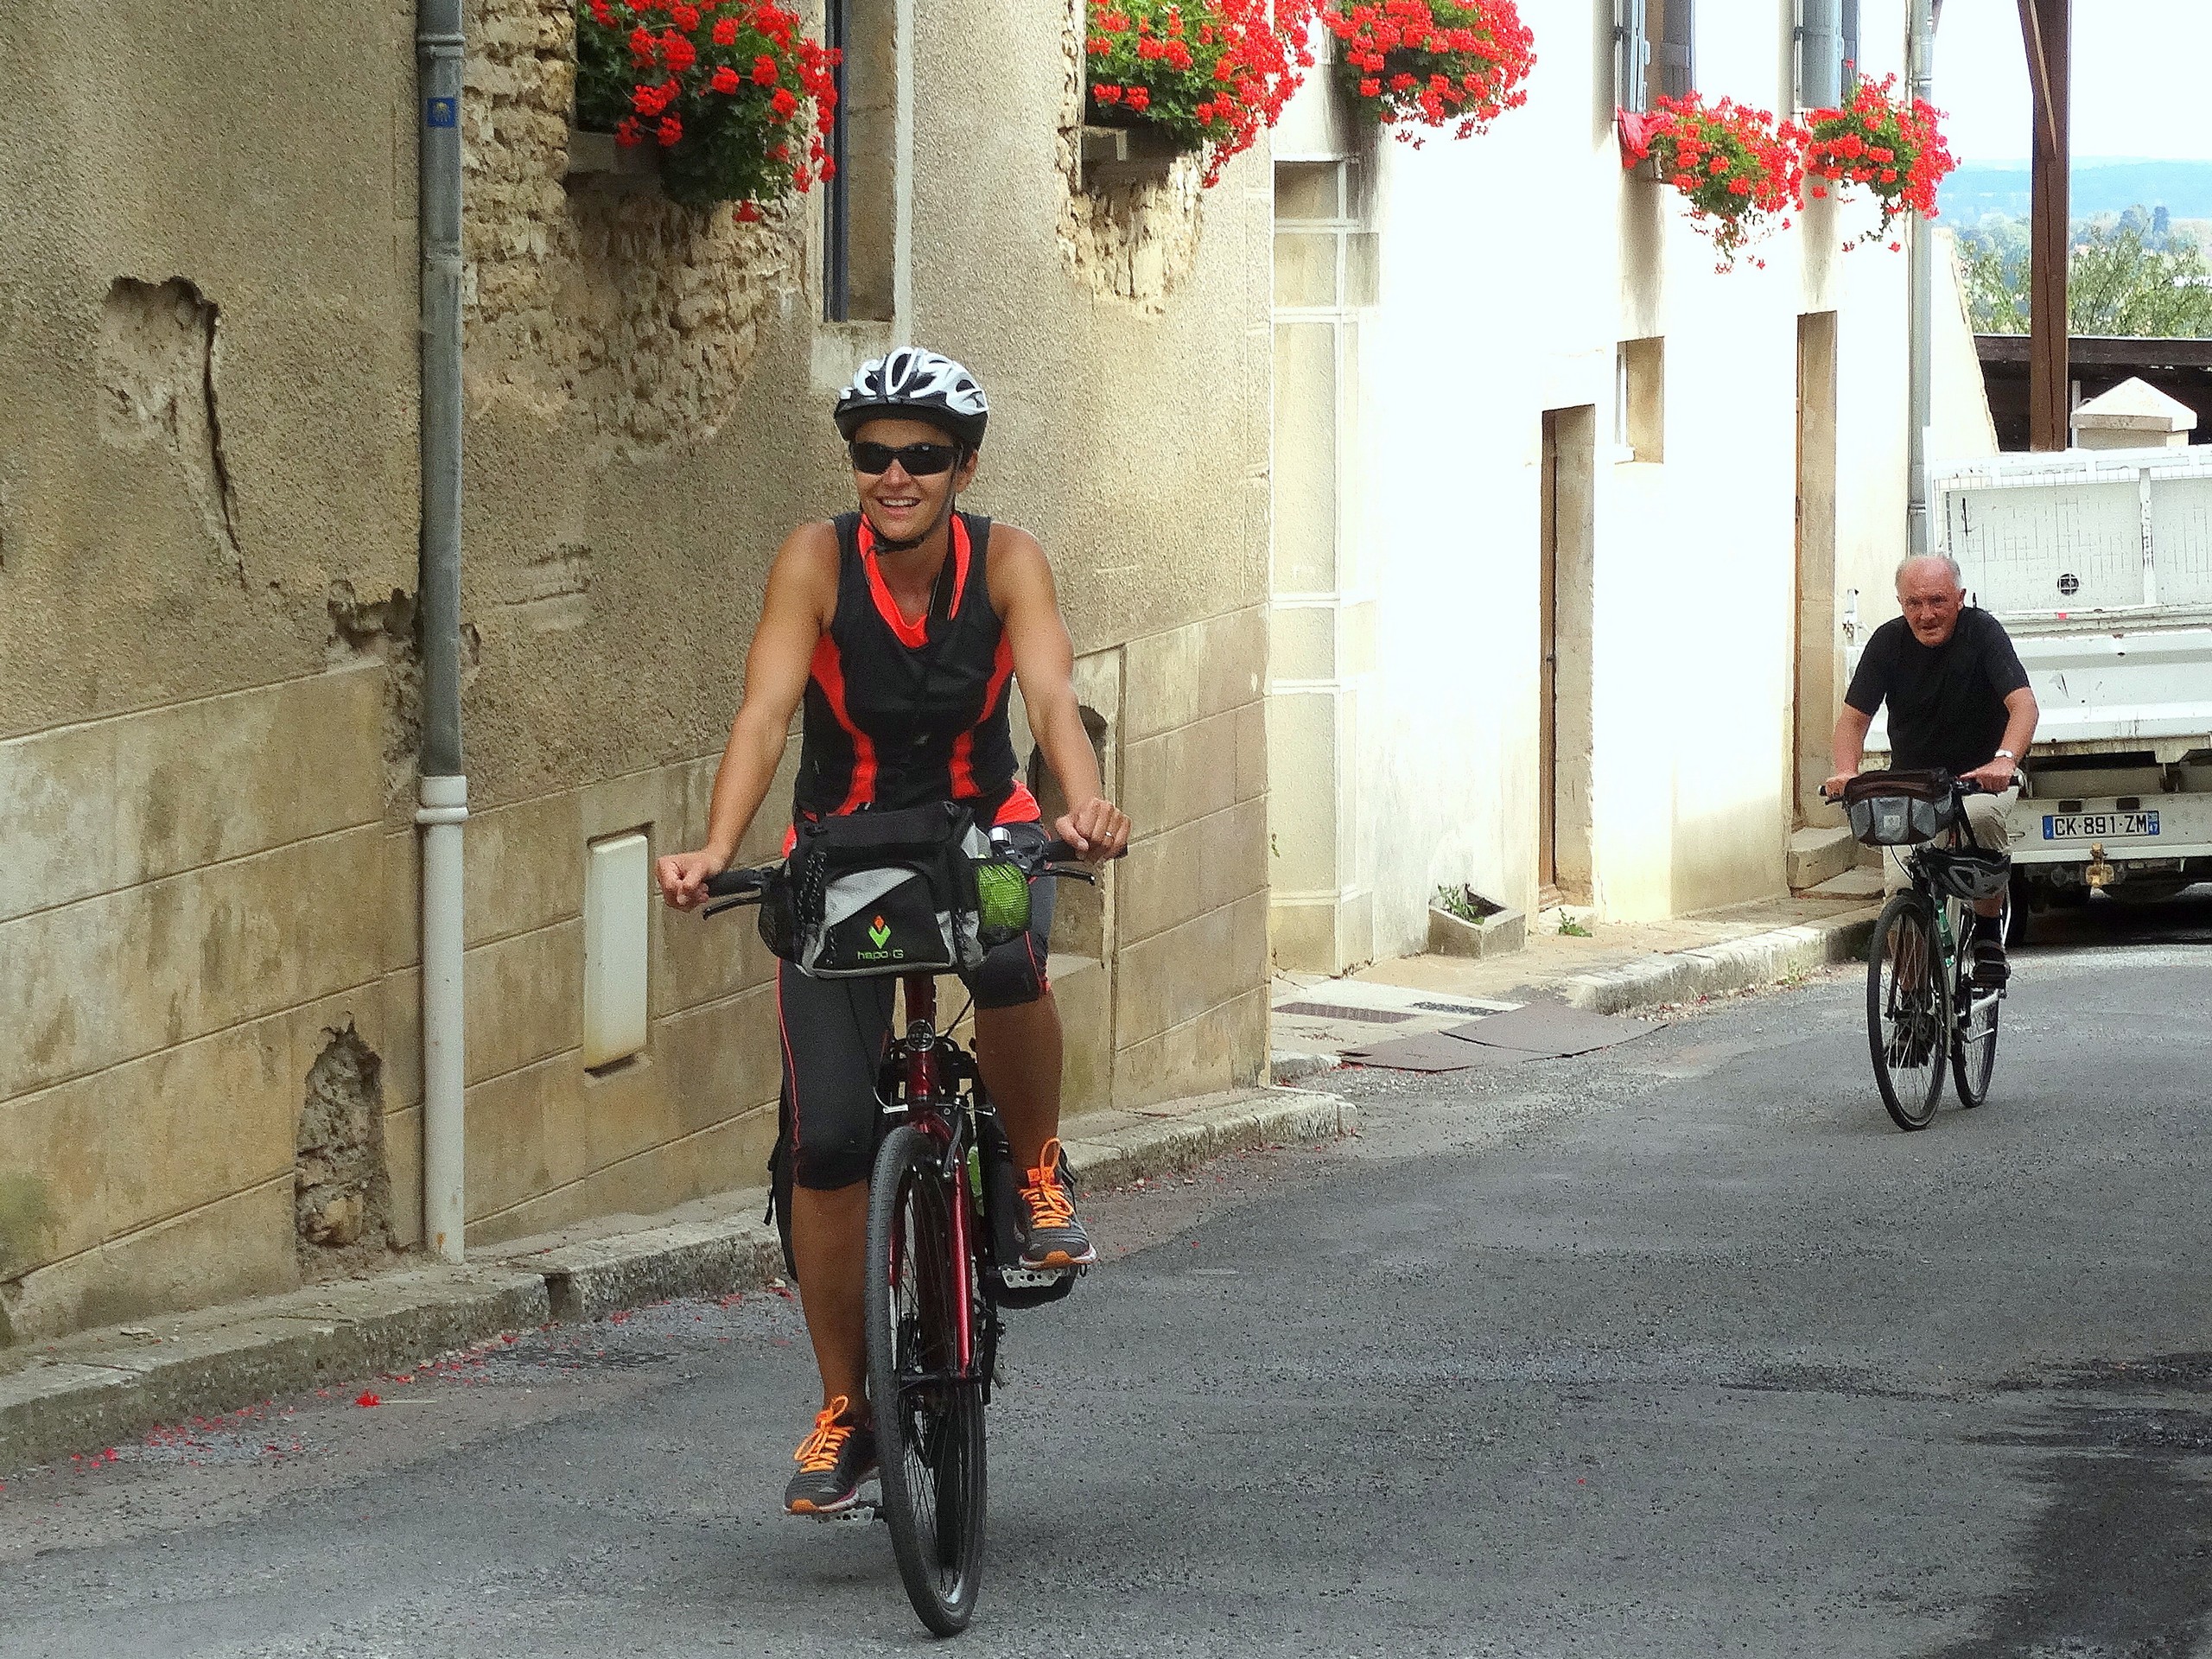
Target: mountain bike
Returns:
[[944, 1239], [1923, 1009]]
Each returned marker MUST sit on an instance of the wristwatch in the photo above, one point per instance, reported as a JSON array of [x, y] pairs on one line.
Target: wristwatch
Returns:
[[2007, 754]]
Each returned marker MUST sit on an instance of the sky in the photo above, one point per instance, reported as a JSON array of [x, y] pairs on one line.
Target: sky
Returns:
[[2141, 68]]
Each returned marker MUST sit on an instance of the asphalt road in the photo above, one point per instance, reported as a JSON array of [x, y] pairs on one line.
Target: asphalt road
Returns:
[[1677, 1349]]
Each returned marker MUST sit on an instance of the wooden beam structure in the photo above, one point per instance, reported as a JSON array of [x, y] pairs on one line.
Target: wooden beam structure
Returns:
[[2047, 26]]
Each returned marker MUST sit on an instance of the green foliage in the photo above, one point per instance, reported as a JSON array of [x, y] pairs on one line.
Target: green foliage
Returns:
[[2127, 274]]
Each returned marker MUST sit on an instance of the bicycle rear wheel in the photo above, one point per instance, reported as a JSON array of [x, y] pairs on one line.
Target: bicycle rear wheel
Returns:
[[1908, 1010], [929, 1419]]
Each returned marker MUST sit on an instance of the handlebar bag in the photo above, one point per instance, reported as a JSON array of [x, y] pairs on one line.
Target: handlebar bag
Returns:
[[1900, 808], [874, 894]]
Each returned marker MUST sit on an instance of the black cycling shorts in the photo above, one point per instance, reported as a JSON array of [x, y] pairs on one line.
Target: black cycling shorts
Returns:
[[836, 1032]]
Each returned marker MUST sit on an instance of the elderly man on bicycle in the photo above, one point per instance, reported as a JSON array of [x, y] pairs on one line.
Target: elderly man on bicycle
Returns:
[[1958, 702], [900, 629]]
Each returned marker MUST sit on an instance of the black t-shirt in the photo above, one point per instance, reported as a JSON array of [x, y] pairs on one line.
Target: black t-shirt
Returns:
[[1946, 702]]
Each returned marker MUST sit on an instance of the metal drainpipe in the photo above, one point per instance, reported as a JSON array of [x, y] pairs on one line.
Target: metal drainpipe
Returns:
[[1920, 68], [444, 796]]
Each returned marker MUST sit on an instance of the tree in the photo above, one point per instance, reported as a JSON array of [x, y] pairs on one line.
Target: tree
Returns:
[[2122, 278]]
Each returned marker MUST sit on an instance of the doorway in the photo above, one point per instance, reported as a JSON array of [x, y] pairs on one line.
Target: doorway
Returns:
[[1565, 620]]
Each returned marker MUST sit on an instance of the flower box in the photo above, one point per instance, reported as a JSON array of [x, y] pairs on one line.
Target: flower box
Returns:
[[1205, 76], [1117, 156], [599, 158], [737, 102], [1497, 934]]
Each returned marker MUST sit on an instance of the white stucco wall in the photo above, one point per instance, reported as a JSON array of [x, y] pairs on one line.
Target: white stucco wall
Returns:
[[1512, 265]]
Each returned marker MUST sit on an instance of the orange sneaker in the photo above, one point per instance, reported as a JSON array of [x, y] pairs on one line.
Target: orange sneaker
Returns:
[[1055, 1238], [832, 1462]]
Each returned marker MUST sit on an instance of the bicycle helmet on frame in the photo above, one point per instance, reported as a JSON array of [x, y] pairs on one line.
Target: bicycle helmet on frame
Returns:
[[917, 384]]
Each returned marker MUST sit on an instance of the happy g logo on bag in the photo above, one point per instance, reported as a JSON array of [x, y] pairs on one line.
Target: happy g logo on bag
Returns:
[[879, 933]]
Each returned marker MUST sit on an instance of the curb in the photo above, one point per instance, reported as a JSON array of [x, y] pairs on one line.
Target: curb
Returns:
[[117, 1384], [1739, 964]]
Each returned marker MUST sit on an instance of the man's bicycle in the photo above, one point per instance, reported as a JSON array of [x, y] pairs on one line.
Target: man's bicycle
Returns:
[[944, 1239], [1923, 1009]]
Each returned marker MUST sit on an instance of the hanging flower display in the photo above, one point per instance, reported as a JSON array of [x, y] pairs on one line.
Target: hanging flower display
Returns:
[[1432, 63], [1891, 146], [737, 101], [1741, 169], [1210, 74]]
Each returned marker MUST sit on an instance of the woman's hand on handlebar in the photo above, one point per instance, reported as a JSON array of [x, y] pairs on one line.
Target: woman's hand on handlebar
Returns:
[[683, 876], [1097, 830]]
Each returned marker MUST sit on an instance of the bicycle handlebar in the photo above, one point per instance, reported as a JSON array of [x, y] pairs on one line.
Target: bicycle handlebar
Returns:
[[1962, 786], [744, 884]]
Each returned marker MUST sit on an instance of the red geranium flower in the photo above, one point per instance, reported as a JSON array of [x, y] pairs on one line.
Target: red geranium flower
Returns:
[[1212, 74], [1891, 146], [633, 78], [1740, 169]]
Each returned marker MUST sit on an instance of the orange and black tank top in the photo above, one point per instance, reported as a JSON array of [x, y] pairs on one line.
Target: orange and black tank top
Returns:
[[901, 713]]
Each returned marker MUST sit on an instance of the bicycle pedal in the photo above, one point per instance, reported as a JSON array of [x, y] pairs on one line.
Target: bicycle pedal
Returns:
[[1034, 1278]]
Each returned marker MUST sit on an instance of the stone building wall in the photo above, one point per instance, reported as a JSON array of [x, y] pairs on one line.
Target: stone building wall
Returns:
[[210, 1066]]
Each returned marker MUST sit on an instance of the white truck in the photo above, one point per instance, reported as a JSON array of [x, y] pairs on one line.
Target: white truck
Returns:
[[2099, 563]]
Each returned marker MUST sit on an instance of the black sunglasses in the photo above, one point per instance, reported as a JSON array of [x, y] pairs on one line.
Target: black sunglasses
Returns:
[[920, 459]]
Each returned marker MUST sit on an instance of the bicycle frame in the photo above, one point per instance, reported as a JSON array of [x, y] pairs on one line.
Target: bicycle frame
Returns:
[[922, 1099]]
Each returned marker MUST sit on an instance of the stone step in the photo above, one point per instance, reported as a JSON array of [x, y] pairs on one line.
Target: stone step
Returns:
[[1817, 854]]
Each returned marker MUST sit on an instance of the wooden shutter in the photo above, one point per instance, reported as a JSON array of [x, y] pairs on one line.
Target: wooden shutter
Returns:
[[1673, 63], [1819, 54], [1631, 32]]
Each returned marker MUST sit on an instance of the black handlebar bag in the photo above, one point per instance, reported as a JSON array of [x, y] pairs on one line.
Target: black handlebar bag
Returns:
[[872, 895], [1900, 808]]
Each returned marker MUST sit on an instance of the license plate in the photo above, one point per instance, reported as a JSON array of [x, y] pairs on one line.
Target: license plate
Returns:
[[2069, 826]]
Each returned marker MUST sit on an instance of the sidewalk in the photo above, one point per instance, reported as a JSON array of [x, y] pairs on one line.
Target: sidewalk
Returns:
[[1620, 967], [88, 1391]]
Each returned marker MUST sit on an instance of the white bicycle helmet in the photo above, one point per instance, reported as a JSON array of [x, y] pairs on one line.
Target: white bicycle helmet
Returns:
[[920, 385]]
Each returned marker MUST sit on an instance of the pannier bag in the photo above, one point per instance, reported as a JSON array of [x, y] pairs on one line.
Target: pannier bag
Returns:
[[871, 894], [1899, 809]]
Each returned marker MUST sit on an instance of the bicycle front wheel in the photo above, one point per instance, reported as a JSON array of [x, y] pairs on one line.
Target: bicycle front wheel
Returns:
[[1973, 1048], [929, 1418], [1908, 1010]]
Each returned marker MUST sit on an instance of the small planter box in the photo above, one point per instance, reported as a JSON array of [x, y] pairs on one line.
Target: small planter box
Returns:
[[594, 158], [1495, 935], [1116, 156]]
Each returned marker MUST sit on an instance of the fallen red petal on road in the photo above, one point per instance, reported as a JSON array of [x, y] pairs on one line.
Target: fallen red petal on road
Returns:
[[368, 1400]]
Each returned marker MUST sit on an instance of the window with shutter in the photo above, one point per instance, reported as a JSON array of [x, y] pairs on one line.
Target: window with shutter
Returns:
[[1672, 29]]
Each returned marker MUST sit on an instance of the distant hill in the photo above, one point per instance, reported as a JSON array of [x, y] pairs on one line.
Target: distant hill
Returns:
[[2184, 188]]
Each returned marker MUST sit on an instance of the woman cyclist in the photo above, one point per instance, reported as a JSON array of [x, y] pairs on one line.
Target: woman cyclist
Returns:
[[900, 627]]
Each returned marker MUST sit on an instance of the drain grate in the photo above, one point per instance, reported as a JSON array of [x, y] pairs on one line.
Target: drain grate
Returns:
[[1450, 1007], [1337, 1011]]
